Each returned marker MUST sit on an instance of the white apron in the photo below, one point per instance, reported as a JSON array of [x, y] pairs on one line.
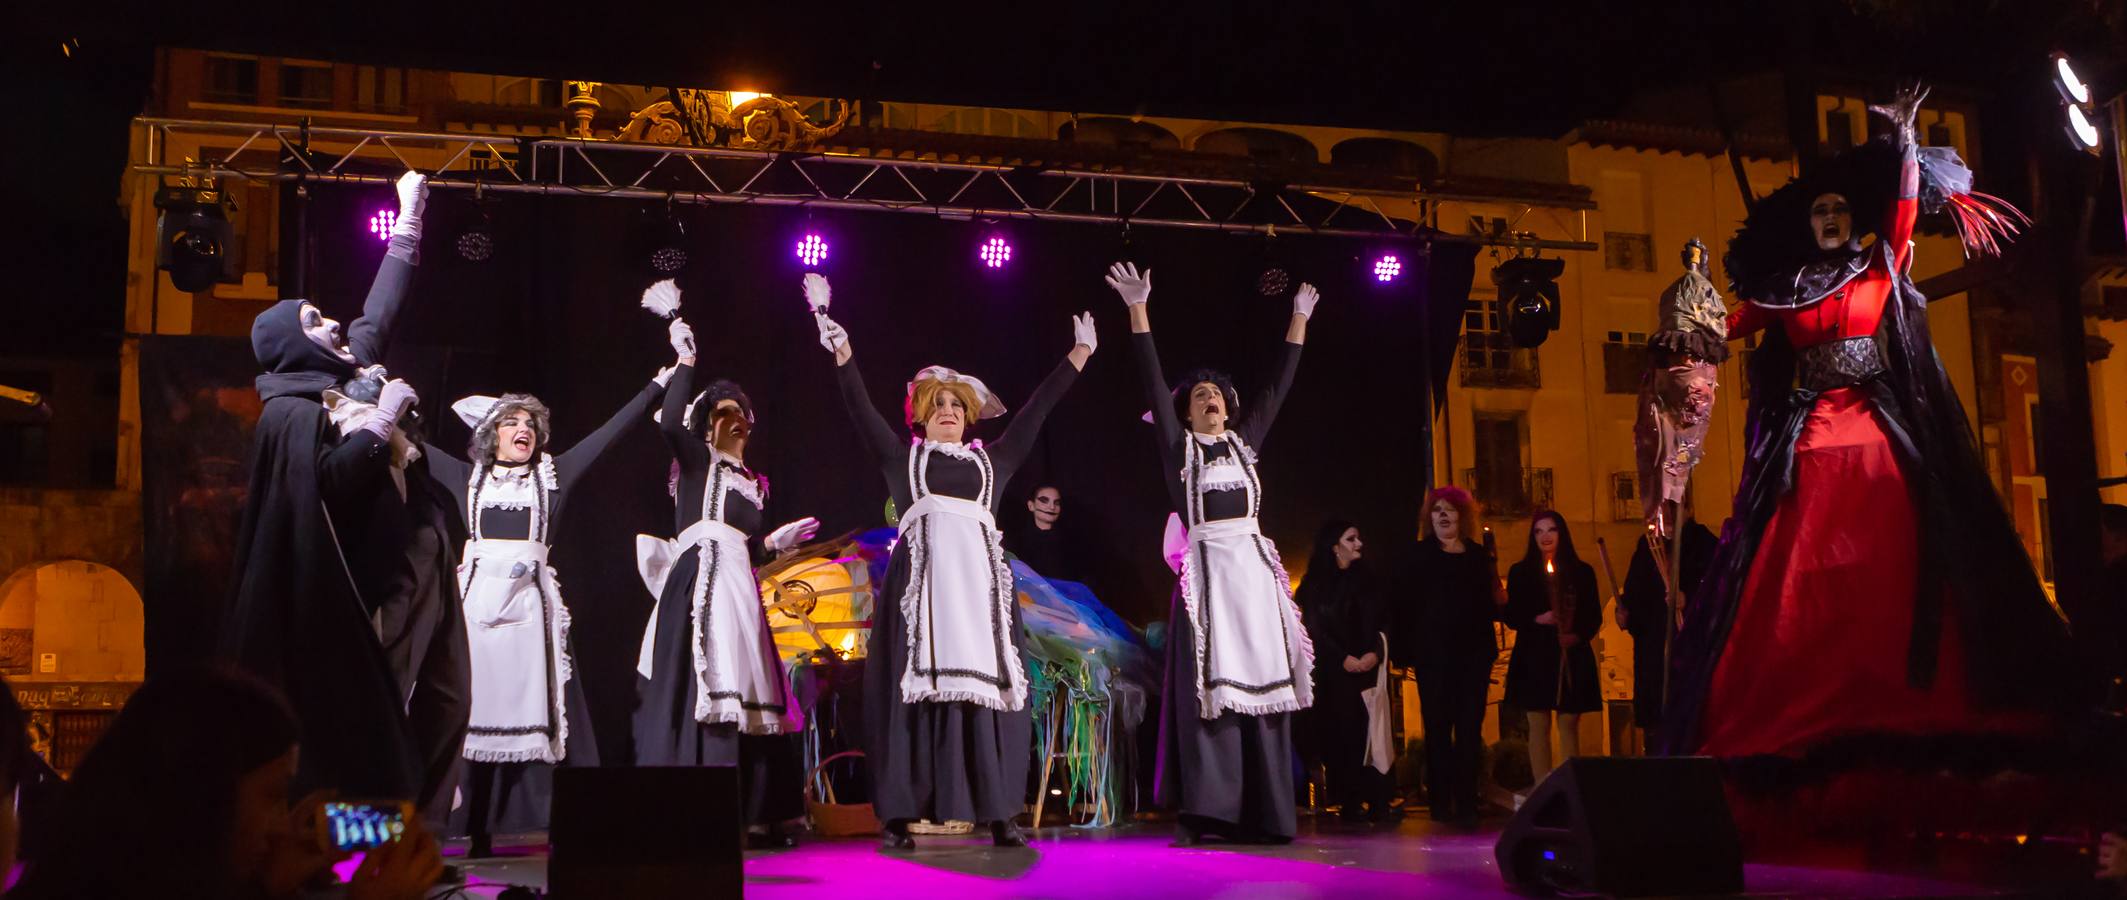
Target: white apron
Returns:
[[1253, 655], [517, 628], [738, 676], [957, 607]]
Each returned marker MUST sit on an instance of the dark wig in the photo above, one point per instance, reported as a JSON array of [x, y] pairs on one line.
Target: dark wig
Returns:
[[1566, 558], [705, 405], [1197, 377]]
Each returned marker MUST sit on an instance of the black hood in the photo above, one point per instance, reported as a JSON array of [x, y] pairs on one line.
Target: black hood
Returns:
[[290, 362]]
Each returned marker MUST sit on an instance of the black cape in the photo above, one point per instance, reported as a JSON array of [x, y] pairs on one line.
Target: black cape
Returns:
[[294, 618]]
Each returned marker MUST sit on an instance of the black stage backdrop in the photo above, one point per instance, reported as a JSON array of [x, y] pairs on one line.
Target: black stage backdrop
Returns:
[[554, 312]]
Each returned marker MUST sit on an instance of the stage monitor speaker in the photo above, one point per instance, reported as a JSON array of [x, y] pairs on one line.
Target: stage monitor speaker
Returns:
[[646, 833], [1625, 826]]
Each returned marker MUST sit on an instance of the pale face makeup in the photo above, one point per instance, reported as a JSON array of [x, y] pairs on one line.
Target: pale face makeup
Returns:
[[323, 331], [515, 438]]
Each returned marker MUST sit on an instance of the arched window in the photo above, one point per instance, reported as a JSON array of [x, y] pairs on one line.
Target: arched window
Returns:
[[1261, 144], [992, 122], [1115, 132], [1390, 155]]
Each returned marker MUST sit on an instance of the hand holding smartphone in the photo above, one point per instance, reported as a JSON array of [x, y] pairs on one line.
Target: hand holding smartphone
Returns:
[[354, 825]]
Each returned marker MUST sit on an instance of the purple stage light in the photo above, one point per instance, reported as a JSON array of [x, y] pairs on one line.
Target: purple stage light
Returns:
[[996, 252], [1387, 268], [812, 250], [381, 222]]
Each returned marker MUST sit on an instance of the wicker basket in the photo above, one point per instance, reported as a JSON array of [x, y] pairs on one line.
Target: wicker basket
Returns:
[[838, 819], [953, 826]]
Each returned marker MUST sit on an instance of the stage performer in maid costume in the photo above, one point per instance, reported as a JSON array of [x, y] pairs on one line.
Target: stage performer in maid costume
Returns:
[[298, 617], [712, 688], [1239, 662], [528, 706], [1870, 598], [945, 690]]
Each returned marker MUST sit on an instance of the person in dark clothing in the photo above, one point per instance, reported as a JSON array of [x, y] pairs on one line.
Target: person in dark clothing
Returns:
[[1045, 544], [2108, 634], [1448, 642], [949, 729], [528, 708], [711, 684], [1341, 606], [1643, 612], [1226, 744], [1555, 611], [298, 618]]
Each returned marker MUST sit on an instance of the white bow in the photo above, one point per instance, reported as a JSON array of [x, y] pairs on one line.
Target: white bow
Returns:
[[475, 409], [991, 406]]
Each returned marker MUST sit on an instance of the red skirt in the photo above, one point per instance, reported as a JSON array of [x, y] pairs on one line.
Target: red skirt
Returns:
[[1819, 644]]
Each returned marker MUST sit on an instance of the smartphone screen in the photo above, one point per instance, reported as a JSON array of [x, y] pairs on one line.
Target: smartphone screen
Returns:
[[360, 826]]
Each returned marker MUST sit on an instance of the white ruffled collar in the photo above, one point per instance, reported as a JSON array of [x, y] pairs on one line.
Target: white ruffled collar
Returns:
[[953, 449]]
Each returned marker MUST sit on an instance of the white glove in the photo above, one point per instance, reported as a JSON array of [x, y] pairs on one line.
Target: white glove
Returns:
[[664, 376], [792, 535], [832, 336], [413, 199], [682, 336], [1303, 300], [395, 397], [817, 292], [1082, 332], [1135, 288]]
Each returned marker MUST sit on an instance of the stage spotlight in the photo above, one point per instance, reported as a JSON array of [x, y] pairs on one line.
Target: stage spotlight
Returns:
[[195, 232], [812, 250], [1273, 282], [1388, 268], [380, 223], [2082, 132], [476, 245], [2072, 86], [1528, 297], [995, 252]]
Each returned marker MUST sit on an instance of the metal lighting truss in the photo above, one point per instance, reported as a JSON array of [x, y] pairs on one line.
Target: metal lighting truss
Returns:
[[705, 175]]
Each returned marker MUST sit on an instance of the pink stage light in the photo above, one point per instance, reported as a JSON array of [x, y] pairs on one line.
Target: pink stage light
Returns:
[[380, 223], [812, 250], [996, 252], [1387, 268]]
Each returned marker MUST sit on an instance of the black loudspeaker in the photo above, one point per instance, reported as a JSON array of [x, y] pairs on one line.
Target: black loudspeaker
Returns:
[[1625, 826], [646, 833]]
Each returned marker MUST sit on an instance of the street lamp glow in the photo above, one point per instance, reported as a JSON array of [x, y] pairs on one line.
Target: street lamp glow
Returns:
[[2072, 86]]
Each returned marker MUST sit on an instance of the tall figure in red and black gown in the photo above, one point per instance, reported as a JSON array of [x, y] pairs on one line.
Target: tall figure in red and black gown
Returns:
[[1239, 661], [297, 618], [1870, 598], [948, 731]]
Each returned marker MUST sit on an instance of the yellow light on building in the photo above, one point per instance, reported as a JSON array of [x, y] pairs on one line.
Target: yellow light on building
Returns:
[[739, 97], [815, 604]]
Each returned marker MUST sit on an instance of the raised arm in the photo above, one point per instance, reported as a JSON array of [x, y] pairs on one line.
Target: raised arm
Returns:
[[369, 336], [1905, 205], [1264, 411], [672, 422], [579, 459], [1136, 291], [878, 437], [1012, 447]]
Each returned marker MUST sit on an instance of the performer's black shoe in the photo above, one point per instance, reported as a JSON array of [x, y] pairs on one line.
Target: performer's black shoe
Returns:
[[452, 875], [772, 837], [1005, 834], [482, 847], [895, 837], [1186, 834]]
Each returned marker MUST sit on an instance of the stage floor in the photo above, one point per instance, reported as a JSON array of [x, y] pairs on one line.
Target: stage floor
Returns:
[[1417, 858]]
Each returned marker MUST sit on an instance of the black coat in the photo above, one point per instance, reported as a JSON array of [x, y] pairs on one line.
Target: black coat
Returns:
[[295, 618], [1540, 675], [1450, 619], [1646, 605]]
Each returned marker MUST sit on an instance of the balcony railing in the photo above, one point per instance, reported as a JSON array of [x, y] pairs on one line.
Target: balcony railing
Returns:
[[1510, 491]]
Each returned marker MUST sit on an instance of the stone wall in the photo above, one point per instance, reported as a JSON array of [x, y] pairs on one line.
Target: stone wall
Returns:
[[45, 524]]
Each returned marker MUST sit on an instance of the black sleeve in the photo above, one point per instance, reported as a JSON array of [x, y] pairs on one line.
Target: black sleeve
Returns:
[[571, 465], [1328, 650], [370, 335], [1017, 441], [692, 454], [1166, 428], [1588, 612], [878, 437], [1264, 410], [353, 466], [1526, 598], [446, 467]]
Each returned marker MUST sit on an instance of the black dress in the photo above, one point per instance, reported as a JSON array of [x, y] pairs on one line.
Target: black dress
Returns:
[[666, 732], [1233, 774], [1647, 615], [1541, 677], [941, 761], [516, 796], [1448, 642], [1342, 608], [295, 617]]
